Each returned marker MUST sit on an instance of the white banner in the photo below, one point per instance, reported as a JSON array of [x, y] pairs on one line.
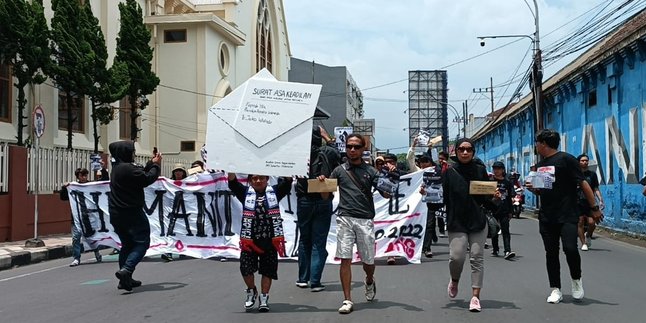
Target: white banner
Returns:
[[199, 217]]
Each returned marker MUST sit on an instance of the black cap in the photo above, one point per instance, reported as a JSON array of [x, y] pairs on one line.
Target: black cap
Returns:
[[424, 158], [498, 164]]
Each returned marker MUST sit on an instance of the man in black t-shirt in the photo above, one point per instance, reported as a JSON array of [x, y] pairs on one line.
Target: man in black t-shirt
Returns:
[[559, 176], [584, 209]]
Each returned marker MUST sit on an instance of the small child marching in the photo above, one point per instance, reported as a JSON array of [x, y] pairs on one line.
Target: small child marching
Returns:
[[261, 234]]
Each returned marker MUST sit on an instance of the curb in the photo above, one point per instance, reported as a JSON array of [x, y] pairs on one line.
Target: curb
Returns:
[[33, 255]]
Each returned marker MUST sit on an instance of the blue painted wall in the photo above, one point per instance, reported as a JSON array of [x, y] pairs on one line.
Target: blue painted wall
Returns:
[[600, 111]]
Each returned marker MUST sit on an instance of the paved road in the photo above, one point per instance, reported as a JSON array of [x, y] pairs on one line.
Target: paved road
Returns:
[[195, 291]]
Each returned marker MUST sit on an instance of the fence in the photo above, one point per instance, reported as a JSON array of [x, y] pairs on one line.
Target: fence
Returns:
[[4, 167], [57, 165]]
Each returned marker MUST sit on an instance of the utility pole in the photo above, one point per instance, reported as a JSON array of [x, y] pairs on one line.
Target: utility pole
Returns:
[[465, 109], [485, 90]]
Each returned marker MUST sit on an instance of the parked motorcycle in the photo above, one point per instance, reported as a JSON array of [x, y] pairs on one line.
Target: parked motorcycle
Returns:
[[517, 202]]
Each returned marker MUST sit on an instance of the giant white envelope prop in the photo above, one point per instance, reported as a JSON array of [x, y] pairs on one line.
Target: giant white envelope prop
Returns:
[[263, 127]]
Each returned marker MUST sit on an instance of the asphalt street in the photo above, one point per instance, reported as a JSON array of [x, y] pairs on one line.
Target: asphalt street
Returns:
[[192, 290]]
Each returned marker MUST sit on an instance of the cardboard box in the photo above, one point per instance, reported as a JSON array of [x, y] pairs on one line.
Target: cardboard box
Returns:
[[316, 186], [435, 140], [482, 187]]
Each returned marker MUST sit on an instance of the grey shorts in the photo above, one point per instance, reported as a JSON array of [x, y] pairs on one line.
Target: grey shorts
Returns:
[[351, 230]]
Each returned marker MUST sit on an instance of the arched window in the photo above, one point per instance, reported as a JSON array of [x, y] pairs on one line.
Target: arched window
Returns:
[[263, 38]]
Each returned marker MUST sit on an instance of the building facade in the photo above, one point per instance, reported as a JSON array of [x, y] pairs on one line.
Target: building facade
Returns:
[[340, 95], [203, 49], [598, 104]]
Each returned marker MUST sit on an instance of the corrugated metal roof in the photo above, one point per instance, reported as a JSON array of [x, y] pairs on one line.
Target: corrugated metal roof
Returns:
[[632, 29]]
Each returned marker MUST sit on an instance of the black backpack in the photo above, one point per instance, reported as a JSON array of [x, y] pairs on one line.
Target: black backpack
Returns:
[[327, 159]]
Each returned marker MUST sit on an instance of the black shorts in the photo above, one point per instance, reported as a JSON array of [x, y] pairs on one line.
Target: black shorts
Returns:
[[265, 264]]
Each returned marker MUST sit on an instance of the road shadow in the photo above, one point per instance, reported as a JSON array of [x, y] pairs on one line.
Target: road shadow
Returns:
[[290, 308], [485, 303], [157, 287], [377, 304], [587, 301]]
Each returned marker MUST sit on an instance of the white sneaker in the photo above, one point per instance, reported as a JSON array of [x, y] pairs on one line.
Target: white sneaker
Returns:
[[555, 297], [577, 289], [250, 298], [346, 308], [301, 285], [584, 247], [371, 290], [75, 263], [263, 306]]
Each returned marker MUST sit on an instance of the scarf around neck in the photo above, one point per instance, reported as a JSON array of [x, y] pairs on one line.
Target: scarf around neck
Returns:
[[269, 209]]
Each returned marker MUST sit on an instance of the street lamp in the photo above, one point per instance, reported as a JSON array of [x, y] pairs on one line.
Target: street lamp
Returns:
[[537, 69]]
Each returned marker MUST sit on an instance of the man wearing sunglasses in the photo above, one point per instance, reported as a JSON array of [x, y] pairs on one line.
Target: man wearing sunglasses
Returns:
[[356, 211]]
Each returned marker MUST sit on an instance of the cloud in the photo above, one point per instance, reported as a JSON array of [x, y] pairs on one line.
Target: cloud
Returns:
[[380, 41]]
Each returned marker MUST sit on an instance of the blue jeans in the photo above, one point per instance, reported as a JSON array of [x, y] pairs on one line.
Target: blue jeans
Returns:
[[133, 229], [77, 246], [314, 218]]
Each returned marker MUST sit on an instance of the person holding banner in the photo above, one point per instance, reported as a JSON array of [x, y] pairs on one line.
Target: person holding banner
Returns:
[[81, 175], [314, 211], [356, 211], [261, 234], [466, 222], [126, 202]]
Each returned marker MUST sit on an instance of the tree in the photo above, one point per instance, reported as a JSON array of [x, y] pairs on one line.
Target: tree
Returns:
[[24, 46], [106, 85], [134, 50], [72, 57]]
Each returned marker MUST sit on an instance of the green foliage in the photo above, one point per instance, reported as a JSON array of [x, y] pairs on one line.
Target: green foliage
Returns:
[[106, 85], [24, 46], [134, 51], [73, 55]]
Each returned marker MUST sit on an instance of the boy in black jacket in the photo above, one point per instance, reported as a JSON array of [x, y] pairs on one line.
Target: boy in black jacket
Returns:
[[503, 212], [126, 207]]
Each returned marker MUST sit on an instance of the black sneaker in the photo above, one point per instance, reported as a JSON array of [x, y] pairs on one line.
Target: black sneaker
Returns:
[[168, 257], [494, 253], [125, 279], [428, 254], [317, 288], [509, 255], [134, 283]]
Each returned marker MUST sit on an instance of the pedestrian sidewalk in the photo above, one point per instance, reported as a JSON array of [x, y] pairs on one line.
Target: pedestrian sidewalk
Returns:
[[16, 254]]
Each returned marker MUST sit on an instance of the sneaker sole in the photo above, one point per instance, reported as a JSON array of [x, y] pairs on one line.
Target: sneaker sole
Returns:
[[318, 289], [301, 285], [556, 302], [263, 309]]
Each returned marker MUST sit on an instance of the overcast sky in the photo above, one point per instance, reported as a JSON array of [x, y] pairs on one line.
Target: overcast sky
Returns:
[[380, 41]]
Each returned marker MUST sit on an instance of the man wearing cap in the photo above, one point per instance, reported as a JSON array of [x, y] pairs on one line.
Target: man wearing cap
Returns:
[[503, 214], [432, 179]]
